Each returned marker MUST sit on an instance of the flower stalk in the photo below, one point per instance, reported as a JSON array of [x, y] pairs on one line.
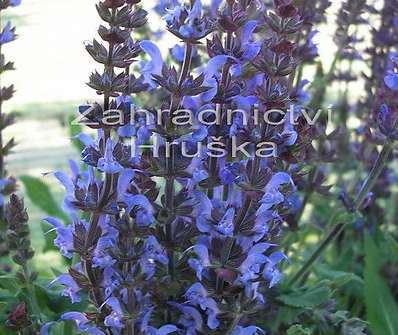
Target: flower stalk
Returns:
[[367, 186]]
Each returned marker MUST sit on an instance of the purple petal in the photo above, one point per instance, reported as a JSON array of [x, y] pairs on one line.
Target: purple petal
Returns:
[[166, 330], [391, 80]]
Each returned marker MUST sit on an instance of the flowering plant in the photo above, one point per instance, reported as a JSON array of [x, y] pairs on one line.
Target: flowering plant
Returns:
[[186, 210], [210, 234]]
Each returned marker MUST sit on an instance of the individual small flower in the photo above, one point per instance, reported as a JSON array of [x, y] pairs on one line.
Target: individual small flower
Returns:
[[164, 330], [113, 3], [142, 208], [154, 66], [15, 3], [386, 121], [64, 239], [226, 225], [250, 49], [188, 24], [108, 163], [71, 288], [7, 34], [178, 52], [230, 173], [202, 262], [102, 258], [250, 268], [302, 95], [271, 272], [272, 196], [153, 253], [69, 186], [214, 6], [82, 323], [312, 47], [191, 319], [44, 329], [197, 295], [114, 320], [163, 5], [250, 330], [212, 75], [6, 184], [111, 281], [391, 80]]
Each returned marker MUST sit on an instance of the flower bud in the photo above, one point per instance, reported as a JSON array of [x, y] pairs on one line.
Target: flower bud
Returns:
[[113, 3], [18, 319]]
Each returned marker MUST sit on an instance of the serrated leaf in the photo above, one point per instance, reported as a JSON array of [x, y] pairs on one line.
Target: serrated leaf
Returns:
[[382, 310], [299, 330], [308, 297], [338, 278], [354, 327]]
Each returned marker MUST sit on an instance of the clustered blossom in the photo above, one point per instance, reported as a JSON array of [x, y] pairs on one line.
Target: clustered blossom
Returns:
[[196, 253]]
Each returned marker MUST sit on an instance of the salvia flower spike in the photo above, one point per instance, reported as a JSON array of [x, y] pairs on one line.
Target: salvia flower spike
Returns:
[[169, 242]]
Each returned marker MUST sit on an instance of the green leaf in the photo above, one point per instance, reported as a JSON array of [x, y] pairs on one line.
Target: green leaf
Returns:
[[52, 304], [286, 316], [307, 297], [6, 331], [299, 330], [338, 278], [8, 282], [392, 244], [354, 327], [40, 194], [382, 310]]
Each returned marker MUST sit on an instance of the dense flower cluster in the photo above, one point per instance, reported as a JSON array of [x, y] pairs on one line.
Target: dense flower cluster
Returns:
[[178, 219], [188, 244]]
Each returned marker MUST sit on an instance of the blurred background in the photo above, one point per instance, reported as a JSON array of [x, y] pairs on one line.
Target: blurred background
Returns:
[[52, 69]]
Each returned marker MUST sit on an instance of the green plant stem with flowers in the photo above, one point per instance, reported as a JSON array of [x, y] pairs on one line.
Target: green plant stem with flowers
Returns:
[[380, 164]]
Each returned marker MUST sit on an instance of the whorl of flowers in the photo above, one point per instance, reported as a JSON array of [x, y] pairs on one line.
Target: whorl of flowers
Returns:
[[170, 242], [7, 183]]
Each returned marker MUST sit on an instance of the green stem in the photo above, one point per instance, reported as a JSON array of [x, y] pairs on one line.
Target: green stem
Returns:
[[308, 193], [169, 187], [105, 194], [213, 163], [1, 151], [380, 164], [233, 325], [378, 167], [31, 291], [337, 229]]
